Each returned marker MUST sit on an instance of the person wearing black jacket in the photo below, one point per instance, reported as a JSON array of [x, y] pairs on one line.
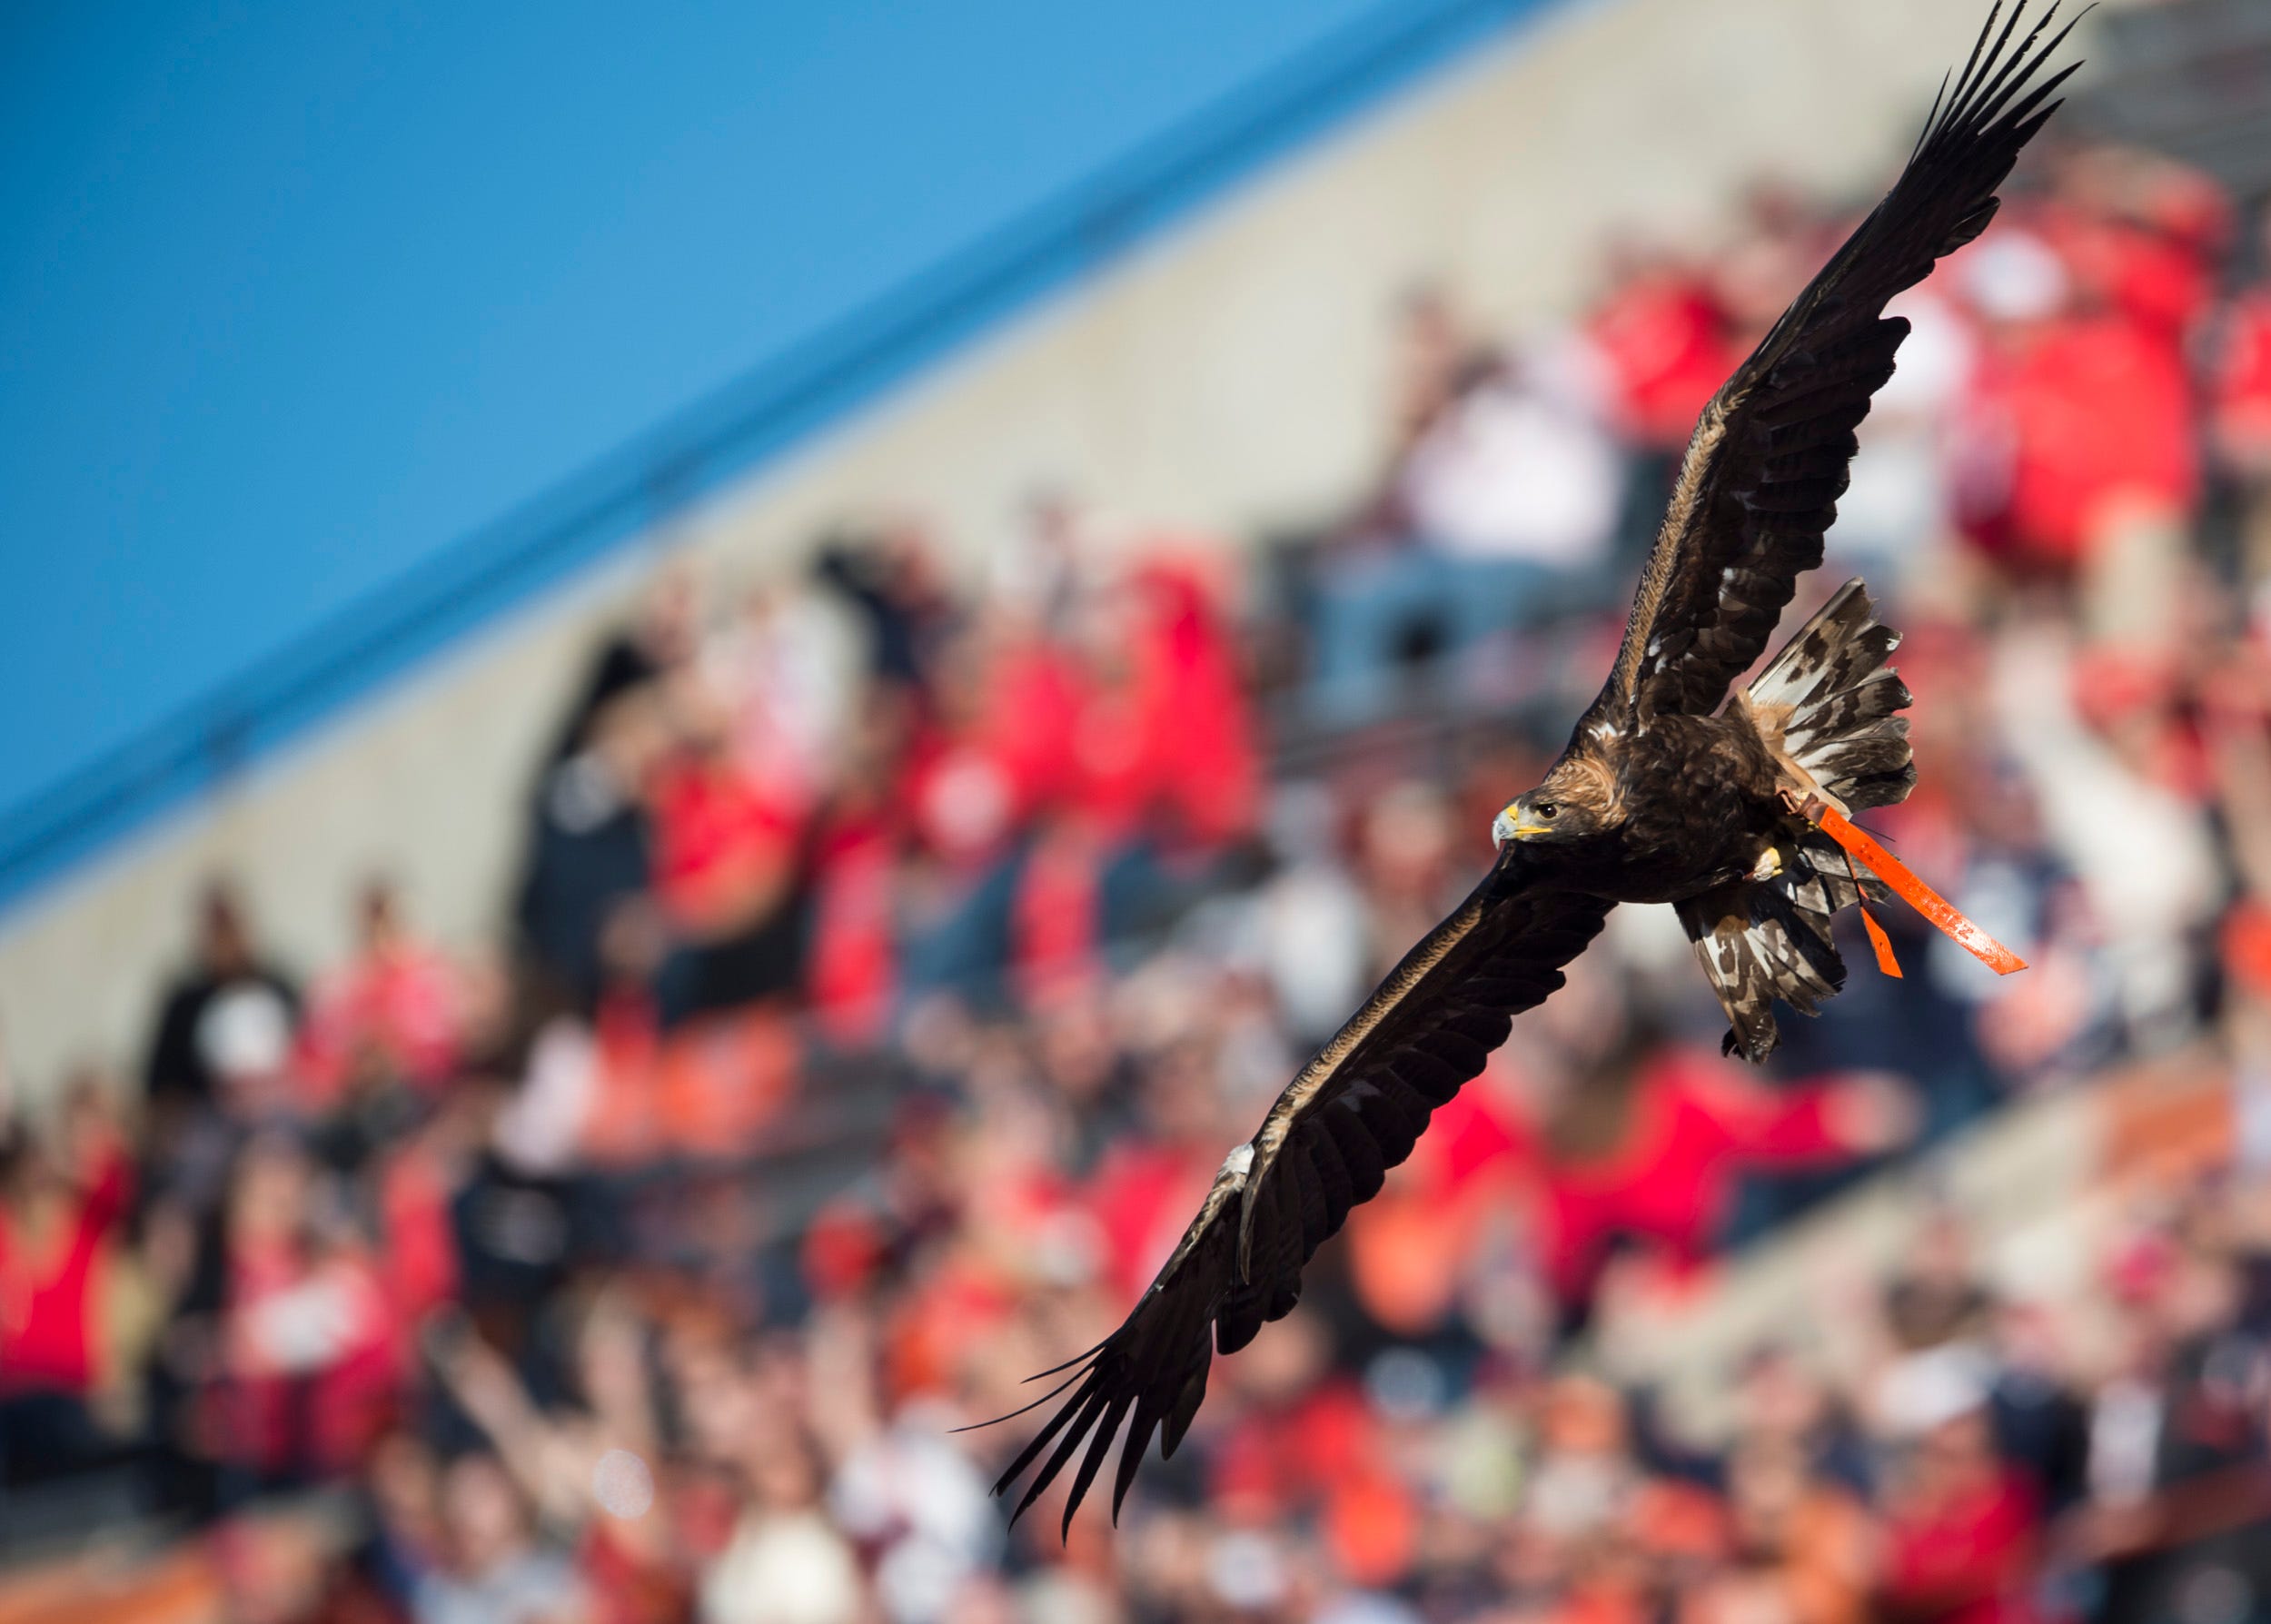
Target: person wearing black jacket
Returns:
[[231, 992]]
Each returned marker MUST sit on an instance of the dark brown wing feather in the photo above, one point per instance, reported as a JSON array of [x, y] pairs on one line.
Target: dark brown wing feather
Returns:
[[1770, 454], [1352, 1113]]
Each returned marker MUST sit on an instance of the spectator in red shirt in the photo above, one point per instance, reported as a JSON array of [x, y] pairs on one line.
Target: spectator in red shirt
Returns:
[[727, 870], [1658, 1159], [394, 1006], [57, 1216], [1160, 771], [307, 1358], [1197, 711], [1667, 342], [2141, 233], [1961, 1536], [965, 784], [1142, 1187], [723, 846], [852, 968], [2080, 422], [2239, 377], [1306, 1445], [2100, 424]]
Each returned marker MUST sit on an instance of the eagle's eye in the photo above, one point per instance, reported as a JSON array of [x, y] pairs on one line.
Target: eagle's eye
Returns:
[[1546, 810]]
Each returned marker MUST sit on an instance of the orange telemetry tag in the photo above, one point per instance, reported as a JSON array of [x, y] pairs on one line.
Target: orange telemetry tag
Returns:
[[1915, 892]]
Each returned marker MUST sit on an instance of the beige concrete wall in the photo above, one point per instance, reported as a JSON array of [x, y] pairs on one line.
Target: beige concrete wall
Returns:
[[1228, 376]]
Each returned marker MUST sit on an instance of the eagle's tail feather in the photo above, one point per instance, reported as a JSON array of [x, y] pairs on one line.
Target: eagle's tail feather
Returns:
[[1831, 703], [1837, 702]]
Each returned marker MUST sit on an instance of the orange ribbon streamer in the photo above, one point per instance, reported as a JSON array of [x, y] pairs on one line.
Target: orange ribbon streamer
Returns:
[[1915, 892], [1886, 964], [1880, 943]]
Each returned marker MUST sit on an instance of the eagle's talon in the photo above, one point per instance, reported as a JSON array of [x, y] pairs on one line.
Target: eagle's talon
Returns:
[[1768, 866]]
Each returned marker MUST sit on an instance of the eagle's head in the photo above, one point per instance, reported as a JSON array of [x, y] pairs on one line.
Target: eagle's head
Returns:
[[1577, 801]]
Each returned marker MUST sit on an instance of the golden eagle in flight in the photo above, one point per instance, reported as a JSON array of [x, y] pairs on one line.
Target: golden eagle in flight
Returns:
[[1735, 813]]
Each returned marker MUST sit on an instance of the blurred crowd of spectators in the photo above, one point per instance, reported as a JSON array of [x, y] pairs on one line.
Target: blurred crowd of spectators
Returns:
[[511, 1284]]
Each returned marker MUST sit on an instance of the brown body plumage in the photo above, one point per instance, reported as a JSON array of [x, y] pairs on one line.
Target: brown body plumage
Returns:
[[1684, 803], [1662, 795], [1706, 813]]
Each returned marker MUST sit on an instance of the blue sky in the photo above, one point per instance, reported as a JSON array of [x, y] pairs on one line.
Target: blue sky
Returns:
[[292, 296]]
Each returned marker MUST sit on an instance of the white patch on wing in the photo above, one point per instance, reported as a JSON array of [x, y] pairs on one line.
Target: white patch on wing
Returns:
[[1239, 1161]]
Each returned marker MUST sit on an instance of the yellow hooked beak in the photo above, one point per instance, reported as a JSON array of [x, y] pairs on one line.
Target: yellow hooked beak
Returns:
[[1510, 825]]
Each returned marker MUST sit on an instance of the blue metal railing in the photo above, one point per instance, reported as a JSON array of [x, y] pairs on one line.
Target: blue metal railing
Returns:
[[689, 453]]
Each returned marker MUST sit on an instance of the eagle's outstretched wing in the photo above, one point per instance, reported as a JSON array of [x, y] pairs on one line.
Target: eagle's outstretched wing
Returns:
[[1758, 488], [1352, 1112], [1770, 457]]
